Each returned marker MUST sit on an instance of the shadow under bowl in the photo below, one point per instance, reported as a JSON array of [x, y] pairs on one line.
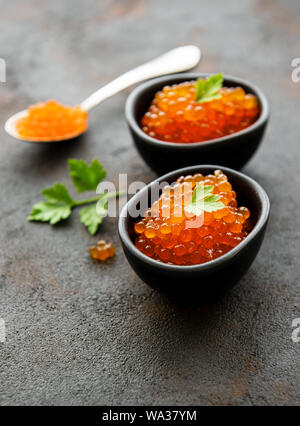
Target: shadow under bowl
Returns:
[[232, 151], [210, 279]]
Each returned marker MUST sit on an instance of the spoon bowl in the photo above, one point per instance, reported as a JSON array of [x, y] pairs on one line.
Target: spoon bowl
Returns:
[[209, 279], [10, 128]]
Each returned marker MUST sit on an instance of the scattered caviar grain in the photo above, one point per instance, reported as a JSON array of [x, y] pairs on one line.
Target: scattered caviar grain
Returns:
[[179, 239], [103, 250], [175, 116], [50, 121]]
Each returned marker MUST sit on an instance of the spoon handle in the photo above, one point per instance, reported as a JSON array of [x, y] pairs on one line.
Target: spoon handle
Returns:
[[176, 60]]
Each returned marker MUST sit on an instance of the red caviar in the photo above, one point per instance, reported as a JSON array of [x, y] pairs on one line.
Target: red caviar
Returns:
[[180, 237], [102, 250], [52, 121], [175, 116]]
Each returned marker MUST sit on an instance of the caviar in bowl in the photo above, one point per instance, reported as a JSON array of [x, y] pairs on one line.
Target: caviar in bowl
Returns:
[[232, 150], [213, 276], [193, 221]]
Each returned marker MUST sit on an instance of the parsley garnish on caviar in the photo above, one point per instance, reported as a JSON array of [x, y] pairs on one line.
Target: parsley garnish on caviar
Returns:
[[208, 89], [204, 201]]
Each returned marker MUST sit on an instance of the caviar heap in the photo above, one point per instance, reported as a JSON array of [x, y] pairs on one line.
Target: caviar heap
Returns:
[[102, 250], [176, 116], [172, 233], [52, 121]]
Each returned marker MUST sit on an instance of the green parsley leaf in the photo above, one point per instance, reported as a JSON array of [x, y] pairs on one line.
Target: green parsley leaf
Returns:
[[204, 201], [57, 193], [201, 192], [57, 207], [212, 203], [90, 218], [86, 178], [52, 212], [208, 89]]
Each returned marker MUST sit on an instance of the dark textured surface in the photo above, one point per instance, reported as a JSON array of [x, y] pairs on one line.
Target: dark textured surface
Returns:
[[83, 333]]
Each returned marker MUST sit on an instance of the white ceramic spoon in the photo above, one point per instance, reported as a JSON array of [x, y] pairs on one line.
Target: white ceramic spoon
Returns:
[[177, 60]]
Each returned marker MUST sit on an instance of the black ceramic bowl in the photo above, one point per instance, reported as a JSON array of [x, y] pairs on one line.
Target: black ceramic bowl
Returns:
[[211, 278], [231, 151]]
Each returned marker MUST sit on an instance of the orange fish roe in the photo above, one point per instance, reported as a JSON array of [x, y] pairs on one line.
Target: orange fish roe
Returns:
[[102, 250], [52, 121], [175, 116], [182, 238]]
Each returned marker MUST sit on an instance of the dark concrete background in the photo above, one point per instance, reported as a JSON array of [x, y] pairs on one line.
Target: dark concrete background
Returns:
[[85, 333]]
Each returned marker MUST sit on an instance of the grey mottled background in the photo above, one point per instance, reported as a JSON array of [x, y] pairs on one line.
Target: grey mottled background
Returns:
[[83, 333]]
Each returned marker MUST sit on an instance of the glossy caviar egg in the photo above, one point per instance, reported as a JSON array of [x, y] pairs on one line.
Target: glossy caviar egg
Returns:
[[185, 239], [175, 116]]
